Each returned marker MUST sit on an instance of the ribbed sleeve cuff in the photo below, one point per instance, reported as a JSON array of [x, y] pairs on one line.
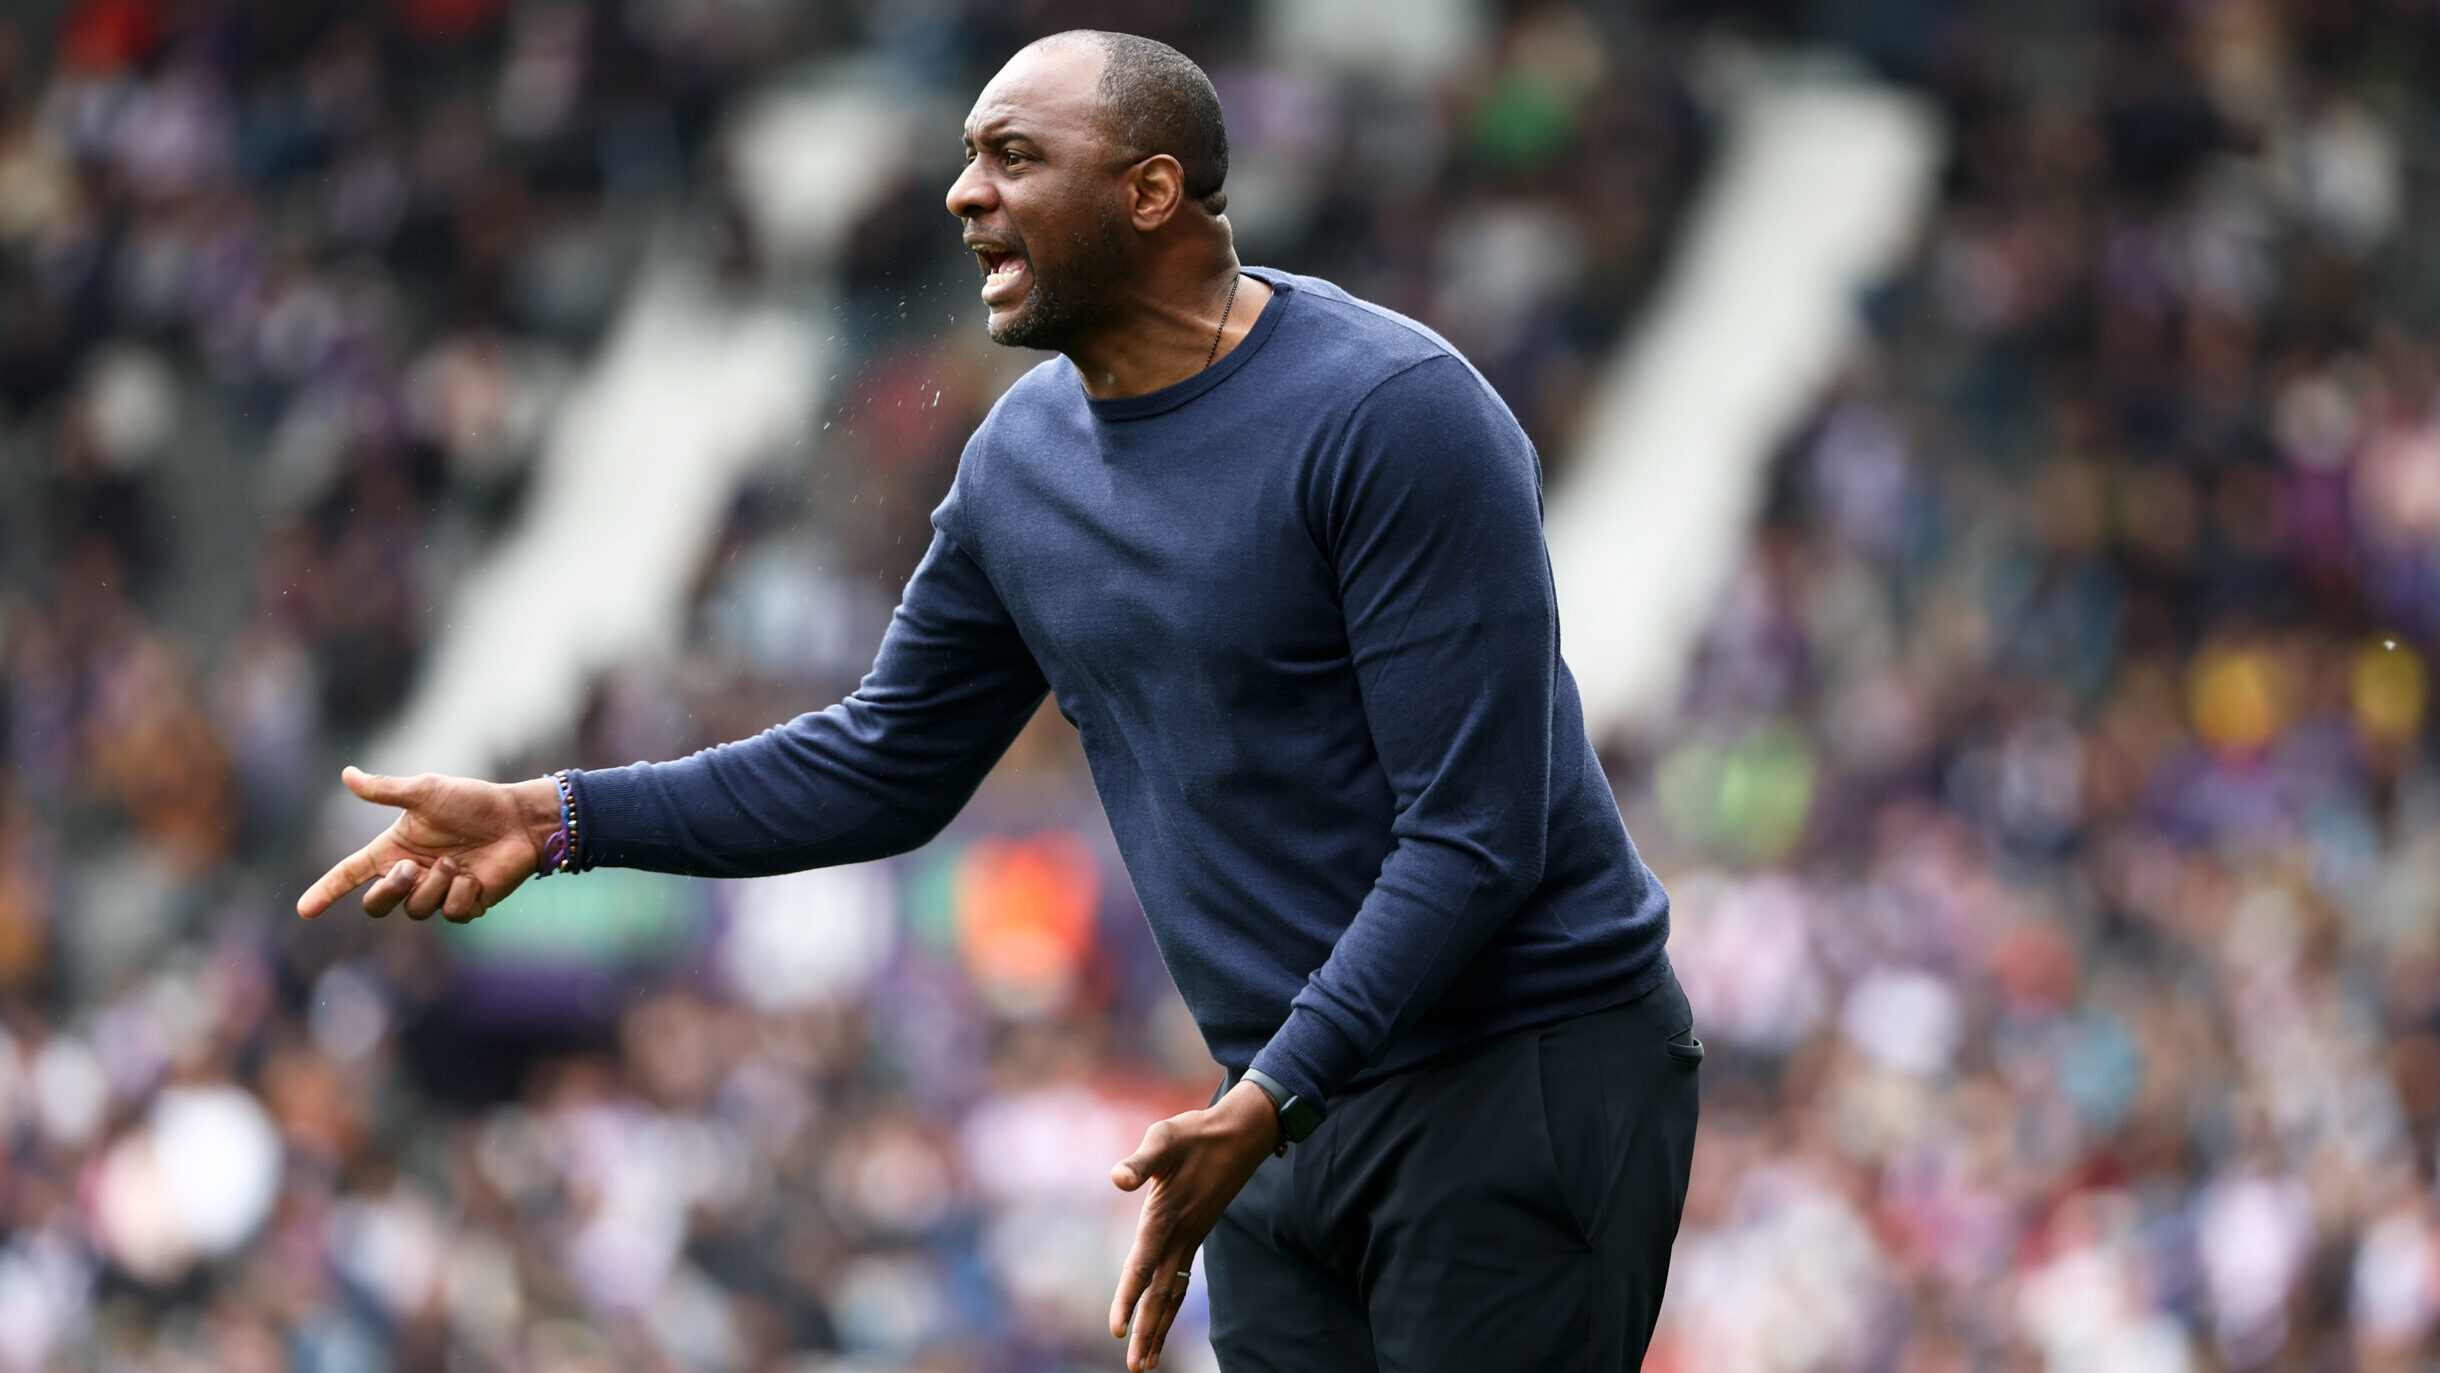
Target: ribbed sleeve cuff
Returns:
[[1310, 1057], [607, 805]]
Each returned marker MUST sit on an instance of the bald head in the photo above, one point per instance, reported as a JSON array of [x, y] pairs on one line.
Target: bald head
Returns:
[[1154, 99], [1091, 193]]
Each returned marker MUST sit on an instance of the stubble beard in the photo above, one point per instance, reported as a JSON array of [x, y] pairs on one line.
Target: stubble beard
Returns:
[[1058, 306]]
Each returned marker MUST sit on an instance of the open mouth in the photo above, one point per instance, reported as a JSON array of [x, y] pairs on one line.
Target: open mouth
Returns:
[[1003, 272]]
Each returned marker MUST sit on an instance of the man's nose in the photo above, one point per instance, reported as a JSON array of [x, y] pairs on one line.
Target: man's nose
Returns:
[[970, 194]]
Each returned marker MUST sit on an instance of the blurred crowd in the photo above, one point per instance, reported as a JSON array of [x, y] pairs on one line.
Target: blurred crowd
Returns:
[[2053, 846]]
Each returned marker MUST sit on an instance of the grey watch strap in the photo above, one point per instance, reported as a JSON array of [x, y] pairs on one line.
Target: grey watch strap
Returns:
[[1297, 1116]]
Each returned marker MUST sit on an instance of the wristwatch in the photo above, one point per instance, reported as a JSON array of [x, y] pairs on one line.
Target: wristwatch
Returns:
[[1297, 1116]]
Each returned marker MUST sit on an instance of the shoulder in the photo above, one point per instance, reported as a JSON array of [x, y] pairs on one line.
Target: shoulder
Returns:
[[1370, 356], [1417, 426], [1357, 341]]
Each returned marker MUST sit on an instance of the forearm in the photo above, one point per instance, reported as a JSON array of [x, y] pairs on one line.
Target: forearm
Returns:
[[877, 774], [1426, 917], [811, 793]]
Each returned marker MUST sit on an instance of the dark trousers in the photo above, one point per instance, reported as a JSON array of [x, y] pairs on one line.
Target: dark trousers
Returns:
[[1509, 1207]]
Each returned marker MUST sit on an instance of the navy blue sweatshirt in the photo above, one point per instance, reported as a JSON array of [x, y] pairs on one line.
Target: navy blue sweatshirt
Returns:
[[1299, 609]]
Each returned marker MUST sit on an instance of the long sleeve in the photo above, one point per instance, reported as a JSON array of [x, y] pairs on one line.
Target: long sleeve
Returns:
[[1432, 517], [879, 773]]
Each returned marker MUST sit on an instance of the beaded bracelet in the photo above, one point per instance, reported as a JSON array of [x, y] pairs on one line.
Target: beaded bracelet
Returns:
[[559, 851]]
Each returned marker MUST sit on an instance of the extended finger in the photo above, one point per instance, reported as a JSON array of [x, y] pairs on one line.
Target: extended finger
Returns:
[[465, 898], [350, 873], [395, 885], [431, 888]]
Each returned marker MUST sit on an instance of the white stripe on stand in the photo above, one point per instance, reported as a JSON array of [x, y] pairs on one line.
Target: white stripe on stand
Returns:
[[1821, 186]]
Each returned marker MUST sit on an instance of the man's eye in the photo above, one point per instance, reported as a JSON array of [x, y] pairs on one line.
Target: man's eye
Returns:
[[1010, 157]]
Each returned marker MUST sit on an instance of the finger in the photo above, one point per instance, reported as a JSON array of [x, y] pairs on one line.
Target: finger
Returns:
[[465, 899], [386, 791], [431, 890], [1134, 1280], [1147, 1312], [1169, 1313], [1153, 1313], [351, 872], [1151, 1159], [1131, 1281], [383, 896], [1151, 1232]]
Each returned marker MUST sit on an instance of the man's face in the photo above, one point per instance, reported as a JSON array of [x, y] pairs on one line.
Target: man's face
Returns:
[[1042, 197]]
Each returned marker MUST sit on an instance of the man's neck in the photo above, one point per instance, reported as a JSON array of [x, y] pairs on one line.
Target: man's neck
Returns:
[[1165, 336]]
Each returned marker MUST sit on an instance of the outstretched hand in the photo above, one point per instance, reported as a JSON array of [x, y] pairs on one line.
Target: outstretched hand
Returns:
[[1196, 1163], [458, 847]]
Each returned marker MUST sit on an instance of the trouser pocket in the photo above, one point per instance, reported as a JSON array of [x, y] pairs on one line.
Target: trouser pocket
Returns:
[[1600, 1075]]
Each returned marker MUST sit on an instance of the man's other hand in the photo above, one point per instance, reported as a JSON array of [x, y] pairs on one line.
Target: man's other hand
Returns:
[[458, 847], [1195, 1164]]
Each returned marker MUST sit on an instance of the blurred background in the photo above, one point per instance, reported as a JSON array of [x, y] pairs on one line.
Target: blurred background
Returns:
[[1994, 482]]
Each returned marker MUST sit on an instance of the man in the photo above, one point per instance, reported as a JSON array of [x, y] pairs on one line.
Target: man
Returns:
[[1279, 554]]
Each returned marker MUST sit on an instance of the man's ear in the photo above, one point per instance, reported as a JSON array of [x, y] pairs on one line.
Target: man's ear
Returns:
[[1156, 190]]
